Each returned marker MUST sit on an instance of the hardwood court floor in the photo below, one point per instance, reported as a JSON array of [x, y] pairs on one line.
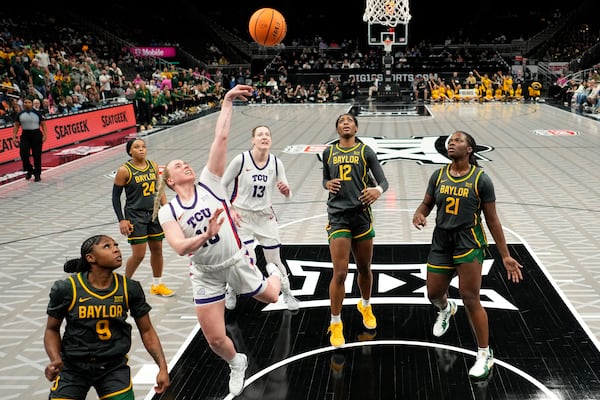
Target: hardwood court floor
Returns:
[[542, 161]]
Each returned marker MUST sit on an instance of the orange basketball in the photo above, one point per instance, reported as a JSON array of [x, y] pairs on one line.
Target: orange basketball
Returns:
[[267, 27]]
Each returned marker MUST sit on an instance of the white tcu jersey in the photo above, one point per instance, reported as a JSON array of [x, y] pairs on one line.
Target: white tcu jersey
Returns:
[[193, 218], [253, 186]]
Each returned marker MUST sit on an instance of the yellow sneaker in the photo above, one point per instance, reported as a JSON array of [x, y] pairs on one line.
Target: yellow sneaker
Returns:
[[337, 334], [369, 320], [161, 290]]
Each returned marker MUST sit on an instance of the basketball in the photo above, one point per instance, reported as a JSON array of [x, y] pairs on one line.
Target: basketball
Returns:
[[267, 27]]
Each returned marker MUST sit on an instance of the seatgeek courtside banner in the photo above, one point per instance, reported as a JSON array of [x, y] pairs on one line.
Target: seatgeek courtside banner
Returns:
[[65, 130]]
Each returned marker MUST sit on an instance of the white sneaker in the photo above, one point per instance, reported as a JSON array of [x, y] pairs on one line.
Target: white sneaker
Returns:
[[483, 365], [237, 375], [288, 297], [291, 301], [230, 299], [442, 322]]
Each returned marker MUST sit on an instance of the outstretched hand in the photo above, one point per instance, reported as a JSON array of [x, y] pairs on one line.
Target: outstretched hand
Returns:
[[513, 269], [239, 92], [214, 223]]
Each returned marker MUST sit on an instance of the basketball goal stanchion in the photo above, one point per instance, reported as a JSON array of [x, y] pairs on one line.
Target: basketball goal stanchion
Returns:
[[386, 15]]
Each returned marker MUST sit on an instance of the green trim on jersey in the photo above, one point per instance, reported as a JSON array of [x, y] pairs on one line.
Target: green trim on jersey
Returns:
[[473, 255]]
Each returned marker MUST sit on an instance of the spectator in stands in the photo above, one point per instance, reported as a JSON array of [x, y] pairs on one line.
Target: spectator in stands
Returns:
[[19, 73], [272, 84], [116, 74], [455, 80], [58, 90], [105, 81], [289, 93], [78, 92], [300, 94], [352, 87], [42, 57], [39, 77], [373, 89], [555, 90], [43, 106], [4, 108], [420, 91], [322, 93], [337, 95], [592, 99], [166, 82], [143, 105], [61, 105], [580, 95], [14, 111], [9, 87], [471, 80], [93, 98], [312, 93], [73, 104], [88, 76], [160, 106], [37, 105], [48, 106]]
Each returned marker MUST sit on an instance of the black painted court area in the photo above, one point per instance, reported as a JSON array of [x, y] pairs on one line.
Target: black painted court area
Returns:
[[541, 349]]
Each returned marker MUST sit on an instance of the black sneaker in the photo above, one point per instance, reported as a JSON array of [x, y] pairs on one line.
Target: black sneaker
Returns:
[[28, 175], [37, 178]]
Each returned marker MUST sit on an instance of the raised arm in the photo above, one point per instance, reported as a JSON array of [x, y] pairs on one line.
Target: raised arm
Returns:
[[217, 157]]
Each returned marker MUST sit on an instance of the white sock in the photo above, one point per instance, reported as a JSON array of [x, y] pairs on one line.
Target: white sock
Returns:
[[336, 318], [365, 303], [272, 269], [285, 284], [157, 280], [235, 360], [483, 351]]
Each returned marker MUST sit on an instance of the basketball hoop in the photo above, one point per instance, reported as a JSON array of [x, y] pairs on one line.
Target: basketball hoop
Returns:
[[387, 45]]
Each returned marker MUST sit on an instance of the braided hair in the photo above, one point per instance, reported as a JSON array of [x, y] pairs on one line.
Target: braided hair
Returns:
[[81, 263], [473, 145]]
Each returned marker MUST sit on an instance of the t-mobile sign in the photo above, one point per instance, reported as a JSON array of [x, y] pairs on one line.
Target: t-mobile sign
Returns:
[[163, 52]]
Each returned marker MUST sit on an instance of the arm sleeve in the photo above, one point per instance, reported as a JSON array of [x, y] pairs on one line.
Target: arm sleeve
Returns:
[[376, 169], [232, 171], [326, 176], [116, 201], [281, 177]]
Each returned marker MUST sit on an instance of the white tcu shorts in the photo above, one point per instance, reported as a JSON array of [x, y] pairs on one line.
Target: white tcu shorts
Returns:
[[261, 226], [210, 286]]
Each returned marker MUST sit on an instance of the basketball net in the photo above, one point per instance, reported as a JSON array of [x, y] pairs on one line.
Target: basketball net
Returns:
[[387, 12], [387, 45]]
